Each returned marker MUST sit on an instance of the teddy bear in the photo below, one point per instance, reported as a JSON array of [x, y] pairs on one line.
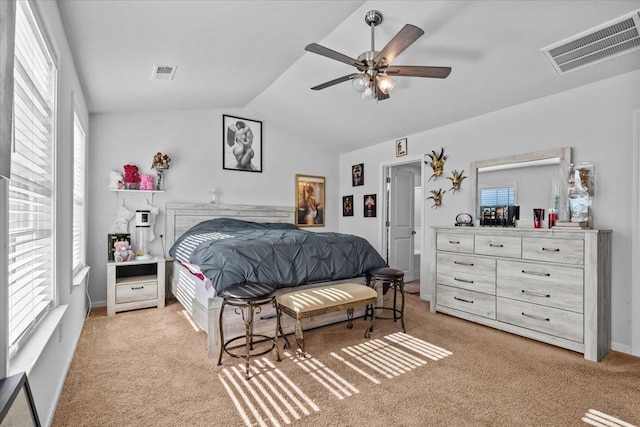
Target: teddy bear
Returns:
[[115, 180], [123, 251]]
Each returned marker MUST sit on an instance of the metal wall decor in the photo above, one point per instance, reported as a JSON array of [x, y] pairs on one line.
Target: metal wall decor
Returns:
[[436, 196], [436, 163], [456, 180]]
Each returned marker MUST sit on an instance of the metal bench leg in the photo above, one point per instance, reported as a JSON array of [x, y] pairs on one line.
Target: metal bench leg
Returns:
[[349, 318], [300, 336], [402, 306], [367, 333], [221, 334], [278, 330]]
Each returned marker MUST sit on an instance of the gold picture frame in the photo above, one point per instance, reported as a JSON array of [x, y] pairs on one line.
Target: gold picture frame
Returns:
[[310, 200]]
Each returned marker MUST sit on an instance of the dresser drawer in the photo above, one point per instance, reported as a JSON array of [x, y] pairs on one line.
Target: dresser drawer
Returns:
[[455, 242], [466, 272], [547, 284], [548, 320], [136, 292], [468, 301], [553, 250], [503, 246]]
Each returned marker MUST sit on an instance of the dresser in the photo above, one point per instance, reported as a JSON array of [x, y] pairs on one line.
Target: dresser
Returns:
[[551, 285]]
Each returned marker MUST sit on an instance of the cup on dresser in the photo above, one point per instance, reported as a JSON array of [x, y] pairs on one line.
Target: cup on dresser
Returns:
[[538, 216]]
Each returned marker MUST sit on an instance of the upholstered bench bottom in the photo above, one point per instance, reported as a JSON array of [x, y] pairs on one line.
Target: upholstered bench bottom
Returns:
[[325, 299]]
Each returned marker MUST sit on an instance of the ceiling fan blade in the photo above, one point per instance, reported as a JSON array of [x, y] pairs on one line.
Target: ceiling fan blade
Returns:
[[405, 37], [332, 54], [417, 71], [335, 81]]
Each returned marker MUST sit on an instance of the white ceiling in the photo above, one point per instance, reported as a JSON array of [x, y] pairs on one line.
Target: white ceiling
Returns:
[[251, 54]]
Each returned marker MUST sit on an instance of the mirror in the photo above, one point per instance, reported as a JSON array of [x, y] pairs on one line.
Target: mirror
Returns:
[[539, 179]]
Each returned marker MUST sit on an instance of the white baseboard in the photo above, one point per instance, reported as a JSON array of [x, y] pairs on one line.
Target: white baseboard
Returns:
[[95, 304], [622, 348]]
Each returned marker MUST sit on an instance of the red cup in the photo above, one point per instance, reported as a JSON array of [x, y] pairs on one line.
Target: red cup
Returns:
[[553, 217]]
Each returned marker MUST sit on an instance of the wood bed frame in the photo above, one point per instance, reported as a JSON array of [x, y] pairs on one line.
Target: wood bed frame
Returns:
[[203, 306]]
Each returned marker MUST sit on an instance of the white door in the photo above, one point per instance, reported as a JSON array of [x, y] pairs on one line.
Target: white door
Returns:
[[401, 221]]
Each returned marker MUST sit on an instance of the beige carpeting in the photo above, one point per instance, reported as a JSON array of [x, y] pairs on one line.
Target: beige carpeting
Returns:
[[150, 368]]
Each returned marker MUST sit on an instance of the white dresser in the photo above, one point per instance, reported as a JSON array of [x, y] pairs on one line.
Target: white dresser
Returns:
[[550, 285]]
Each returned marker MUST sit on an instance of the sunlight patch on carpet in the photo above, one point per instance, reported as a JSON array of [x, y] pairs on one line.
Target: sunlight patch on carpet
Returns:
[[600, 419], [419, 346], [190, 320], [269, 398], [388, 360], [355, 368], [324, 375]]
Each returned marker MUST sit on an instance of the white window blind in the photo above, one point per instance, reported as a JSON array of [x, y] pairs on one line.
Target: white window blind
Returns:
[[499, 196], [79, 143], [31, 207]]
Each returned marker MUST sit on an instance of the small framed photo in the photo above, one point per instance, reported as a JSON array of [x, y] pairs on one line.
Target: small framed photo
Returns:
[[310, 191], [241, 144], [401, 147], [370, 206], [347, 205], [357, 174]]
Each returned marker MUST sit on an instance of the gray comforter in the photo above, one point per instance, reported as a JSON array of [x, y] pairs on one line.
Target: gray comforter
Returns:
[[230, 251]]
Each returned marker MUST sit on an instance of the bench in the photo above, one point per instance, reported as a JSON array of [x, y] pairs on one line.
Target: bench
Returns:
[[325, 299]]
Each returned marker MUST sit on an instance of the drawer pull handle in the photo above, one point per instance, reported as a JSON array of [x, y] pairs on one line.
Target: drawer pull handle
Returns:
[[463, 280], [468, 264], [551, 249], [496, 246], [536, 294], [536, 273], [544, 319], [463, 300], [453, 242], [135, 288]]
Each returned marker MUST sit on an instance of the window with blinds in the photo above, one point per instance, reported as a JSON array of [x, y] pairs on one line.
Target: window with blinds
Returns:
[[79, 143], [31, 184], [497, 196]]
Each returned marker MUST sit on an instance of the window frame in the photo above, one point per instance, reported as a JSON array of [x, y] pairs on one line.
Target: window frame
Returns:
[[77, 118]]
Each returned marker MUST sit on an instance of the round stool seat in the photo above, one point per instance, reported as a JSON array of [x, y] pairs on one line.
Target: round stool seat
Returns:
[[249, 291], [387, 272]]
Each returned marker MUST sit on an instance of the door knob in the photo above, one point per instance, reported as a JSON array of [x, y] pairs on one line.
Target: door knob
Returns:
[[413, 231]]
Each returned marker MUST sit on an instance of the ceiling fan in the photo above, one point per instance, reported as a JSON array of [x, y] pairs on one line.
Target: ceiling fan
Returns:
[[373, 78]]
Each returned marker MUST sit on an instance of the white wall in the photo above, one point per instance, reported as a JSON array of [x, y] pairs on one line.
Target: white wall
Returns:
[[193, 140], [596, 120]]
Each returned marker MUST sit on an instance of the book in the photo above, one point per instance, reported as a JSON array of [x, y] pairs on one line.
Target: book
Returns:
[[581, 224]]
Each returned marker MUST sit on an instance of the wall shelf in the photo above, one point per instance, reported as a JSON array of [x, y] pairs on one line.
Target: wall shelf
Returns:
[[136, 191]]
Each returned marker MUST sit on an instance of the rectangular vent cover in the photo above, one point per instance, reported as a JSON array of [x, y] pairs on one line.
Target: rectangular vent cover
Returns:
[[163, 72], [598, 44]]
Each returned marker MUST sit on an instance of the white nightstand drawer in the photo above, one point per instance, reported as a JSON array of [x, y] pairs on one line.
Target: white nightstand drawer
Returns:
[[547, 284], [467, 272], [455, 242], [559, 323], [468, 301], [141, 291], [553, 250], [504, 246]]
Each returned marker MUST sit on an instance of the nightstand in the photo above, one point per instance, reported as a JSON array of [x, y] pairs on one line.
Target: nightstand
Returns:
[[135, 284]]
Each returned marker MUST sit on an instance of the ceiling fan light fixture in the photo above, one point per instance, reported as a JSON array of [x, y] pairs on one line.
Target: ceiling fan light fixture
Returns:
[[386, 84], [360, 83], [368, 92]]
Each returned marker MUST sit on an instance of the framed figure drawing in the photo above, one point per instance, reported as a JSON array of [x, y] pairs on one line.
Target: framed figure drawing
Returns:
[[357, 174], [242, 144], [401, 147], [370, 206], [347, 205], [310, 191]]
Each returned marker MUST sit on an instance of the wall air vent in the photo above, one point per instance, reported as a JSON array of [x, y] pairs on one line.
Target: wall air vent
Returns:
[[603, 42], [163, 72]]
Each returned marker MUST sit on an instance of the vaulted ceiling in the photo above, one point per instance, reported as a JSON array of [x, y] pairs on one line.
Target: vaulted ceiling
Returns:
[[250, 54]]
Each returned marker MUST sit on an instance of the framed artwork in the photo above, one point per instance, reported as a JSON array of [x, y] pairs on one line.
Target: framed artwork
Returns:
[[310, 191], [401, 147], [347, 205], [357, 174], [370, 206], [241, 144]]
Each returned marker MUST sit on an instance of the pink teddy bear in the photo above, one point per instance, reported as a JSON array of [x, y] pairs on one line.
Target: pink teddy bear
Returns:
[[123, 251]]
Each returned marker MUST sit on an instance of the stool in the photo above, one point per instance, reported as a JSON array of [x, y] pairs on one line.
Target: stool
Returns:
[[390, 278], [248, 299]]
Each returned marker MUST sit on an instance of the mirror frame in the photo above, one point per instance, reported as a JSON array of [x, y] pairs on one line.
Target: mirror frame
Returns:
[[562, 154]]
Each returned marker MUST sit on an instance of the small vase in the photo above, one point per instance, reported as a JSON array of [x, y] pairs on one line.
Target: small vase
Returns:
[[160, 180]]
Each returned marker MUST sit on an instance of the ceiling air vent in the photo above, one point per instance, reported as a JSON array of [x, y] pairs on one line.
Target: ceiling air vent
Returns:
[[605, 41], [163, 72]]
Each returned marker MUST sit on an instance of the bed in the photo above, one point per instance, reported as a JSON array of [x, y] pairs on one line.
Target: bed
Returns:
[[213, 247]]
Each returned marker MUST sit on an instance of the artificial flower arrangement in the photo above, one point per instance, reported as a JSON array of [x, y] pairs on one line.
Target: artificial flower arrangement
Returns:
[[131, 174], [160, 161]]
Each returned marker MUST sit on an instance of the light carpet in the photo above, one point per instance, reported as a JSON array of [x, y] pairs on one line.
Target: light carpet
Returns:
[[150, 368]]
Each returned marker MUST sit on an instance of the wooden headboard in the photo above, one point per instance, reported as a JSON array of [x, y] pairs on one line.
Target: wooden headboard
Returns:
[[182, 216]]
